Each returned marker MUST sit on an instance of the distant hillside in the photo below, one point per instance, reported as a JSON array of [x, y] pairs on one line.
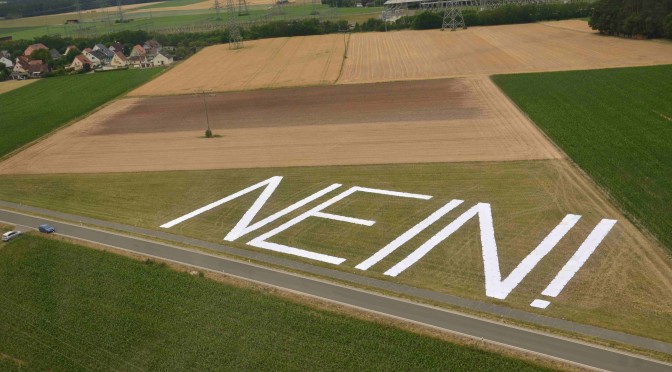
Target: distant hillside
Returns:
[[31, 8]]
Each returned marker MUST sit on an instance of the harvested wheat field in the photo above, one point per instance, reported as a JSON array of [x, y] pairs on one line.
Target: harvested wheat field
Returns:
[[555, 46], [280, 62], [405, 122], [10, 85]]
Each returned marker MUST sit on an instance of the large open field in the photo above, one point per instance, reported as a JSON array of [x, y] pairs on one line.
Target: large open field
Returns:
[[625, 285], [295, 61], [406, 122], [406, 55], [617, 125], [66, 307], [37, 109], [414, 147], [493, 50]]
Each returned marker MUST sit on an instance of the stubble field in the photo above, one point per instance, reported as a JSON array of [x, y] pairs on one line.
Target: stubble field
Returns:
[[533, 47], [267, 63], [405, 55]]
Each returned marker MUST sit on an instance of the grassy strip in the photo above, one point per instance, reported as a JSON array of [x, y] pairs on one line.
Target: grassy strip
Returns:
[[37, 109], [617, 125], [172, 3], [69, 308], [528, 201]]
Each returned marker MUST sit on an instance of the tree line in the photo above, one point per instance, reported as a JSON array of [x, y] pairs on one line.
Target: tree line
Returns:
[[633, 18]]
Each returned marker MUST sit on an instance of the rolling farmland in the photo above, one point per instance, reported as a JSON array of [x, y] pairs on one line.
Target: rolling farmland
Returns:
[[386, 124]]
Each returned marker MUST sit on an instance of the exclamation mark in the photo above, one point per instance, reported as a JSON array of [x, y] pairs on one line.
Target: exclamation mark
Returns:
[[575, 262]]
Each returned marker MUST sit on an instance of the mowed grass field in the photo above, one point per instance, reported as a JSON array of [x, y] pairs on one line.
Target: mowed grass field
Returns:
[[66, 307], [615, 124], [625, 285], [34, 110]]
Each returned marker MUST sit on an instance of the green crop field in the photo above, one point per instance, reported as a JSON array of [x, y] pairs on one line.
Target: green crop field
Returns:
[[95, 23], [616, 124], [528, 199], [32, 111], [172, 3], [66, 307]]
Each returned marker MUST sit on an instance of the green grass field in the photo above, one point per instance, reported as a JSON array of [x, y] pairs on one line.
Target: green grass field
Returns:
[[95, 24], [528, 200], [616, 124], [172, 3], [32, 111], [66, 307]]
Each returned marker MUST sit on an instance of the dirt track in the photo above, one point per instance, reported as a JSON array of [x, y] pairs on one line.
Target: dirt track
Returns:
[[405, 122]]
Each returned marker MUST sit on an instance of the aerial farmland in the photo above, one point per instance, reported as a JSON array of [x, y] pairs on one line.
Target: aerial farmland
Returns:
[[396, 158]]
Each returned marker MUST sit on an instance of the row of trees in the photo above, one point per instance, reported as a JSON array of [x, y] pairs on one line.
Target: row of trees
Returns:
[[633, 18]]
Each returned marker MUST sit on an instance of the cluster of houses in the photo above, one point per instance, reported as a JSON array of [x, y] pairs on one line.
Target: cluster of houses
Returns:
[[100, 57]]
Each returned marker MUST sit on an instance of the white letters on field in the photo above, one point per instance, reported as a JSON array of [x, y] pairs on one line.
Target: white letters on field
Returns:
[[495, 285]]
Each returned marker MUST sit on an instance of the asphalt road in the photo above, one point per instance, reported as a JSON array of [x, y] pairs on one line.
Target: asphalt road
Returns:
[[556, 347]]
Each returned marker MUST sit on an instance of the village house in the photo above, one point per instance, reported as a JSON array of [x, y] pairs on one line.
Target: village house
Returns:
[[102, 49], [55, 54], [5, 53], [152, 48], [162, 59], [117, 47], [119, 60], [38, 68], [7, 62], [137, 51], [21, 68], [69, 48], [97, 57], [34, 47], [79, 62], [139, 62]]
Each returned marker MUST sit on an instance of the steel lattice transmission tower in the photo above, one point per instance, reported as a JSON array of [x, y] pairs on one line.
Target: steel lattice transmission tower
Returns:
[[452, 16], [120, 12], [235, 39], [218, 10], [242, 8]]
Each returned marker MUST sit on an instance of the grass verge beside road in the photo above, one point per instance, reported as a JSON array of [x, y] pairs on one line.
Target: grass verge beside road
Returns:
[[616, 124], [623, 286], [35, 110], [67, 307]]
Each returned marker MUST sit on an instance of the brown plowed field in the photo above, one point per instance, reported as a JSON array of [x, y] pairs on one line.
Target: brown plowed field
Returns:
[[556, 46], [404, 122], [268, 63]]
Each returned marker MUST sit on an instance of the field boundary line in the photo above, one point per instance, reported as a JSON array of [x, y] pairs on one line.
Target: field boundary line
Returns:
[[582, 175], [345, 57]]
